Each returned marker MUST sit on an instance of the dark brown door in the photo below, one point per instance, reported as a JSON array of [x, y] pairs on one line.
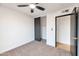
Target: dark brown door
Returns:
[[73, 40], [78, 35], [37, 29]]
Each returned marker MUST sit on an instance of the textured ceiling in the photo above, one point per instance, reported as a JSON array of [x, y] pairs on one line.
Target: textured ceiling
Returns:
[[50, 7]]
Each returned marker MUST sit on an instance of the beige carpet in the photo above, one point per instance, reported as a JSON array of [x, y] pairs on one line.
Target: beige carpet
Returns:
[[36, 48]]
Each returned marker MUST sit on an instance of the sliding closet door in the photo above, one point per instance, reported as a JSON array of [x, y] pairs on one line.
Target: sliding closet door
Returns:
[[63, 30]]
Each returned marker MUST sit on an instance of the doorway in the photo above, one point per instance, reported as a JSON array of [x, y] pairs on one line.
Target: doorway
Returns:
[[37, 29], [64, 32], [40, 28]]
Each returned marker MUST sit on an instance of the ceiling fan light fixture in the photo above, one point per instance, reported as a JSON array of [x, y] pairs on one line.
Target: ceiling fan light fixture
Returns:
[[32, 6]]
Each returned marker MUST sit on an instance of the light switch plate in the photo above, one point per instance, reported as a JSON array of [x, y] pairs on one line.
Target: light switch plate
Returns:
[[51, 29]]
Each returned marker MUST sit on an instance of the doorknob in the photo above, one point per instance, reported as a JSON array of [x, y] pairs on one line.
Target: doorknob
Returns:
[[75, 38]]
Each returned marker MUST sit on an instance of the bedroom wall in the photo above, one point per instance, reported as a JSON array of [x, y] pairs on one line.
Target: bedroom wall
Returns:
[[43, 27], [16, 29]]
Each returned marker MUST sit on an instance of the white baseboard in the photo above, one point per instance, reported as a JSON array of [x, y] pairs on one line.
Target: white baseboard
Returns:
[[3, 51]]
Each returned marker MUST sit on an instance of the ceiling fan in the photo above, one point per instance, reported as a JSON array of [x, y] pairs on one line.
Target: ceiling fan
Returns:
[[32, 6]]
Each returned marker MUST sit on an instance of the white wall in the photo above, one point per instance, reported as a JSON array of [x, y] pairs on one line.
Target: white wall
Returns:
[[43, 27], [16, 29], [50, 33], [63, 30], [50, 28]]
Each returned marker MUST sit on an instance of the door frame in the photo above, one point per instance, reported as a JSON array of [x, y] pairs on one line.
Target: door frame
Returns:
[[76, 27]]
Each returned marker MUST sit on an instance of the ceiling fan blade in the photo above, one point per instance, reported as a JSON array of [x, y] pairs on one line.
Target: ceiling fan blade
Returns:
[[22, 5], [41, 8], [36, 3], [32, 10]]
